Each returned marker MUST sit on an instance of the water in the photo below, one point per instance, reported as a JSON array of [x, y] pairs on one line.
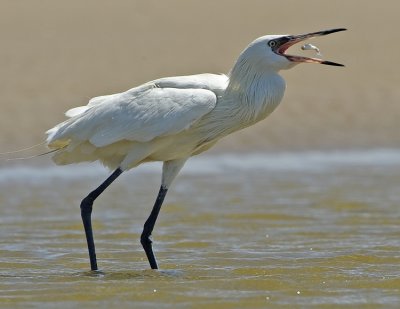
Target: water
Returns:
[[248, 231]]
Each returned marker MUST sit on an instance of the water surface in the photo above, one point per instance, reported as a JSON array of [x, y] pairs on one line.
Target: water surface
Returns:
[[295, 229]]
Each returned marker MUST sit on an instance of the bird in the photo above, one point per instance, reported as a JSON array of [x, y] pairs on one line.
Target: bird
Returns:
[[172, 119]]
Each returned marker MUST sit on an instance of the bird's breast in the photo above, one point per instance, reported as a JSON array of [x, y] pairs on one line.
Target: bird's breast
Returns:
[[237, 109]]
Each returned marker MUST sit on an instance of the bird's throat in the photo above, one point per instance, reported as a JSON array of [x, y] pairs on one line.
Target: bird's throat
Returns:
[[257, 96]]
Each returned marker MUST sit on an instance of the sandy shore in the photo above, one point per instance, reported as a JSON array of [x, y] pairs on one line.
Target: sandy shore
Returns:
[[57, 55]]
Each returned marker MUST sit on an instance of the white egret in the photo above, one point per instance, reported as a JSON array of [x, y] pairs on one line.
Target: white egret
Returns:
[[171, 119]]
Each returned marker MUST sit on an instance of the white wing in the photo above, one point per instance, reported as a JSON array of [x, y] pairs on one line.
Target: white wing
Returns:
[[139, 114], [97, 100]]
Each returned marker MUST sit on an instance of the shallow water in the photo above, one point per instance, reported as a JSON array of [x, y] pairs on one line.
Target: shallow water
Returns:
[[243, 231]]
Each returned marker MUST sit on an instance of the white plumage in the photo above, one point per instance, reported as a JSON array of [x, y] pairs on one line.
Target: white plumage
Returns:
[[172, 119], [163, 120]]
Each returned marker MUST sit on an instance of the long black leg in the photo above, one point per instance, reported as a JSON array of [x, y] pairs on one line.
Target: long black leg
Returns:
[[148, 228], [86, 214]]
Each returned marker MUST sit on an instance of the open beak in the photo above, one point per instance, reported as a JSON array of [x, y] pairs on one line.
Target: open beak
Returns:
[[287, 41]]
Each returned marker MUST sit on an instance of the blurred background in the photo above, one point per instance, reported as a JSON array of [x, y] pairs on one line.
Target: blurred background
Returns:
[[56, 55]]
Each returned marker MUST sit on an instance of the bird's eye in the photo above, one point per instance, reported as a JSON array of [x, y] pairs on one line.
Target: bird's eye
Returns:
[[272, 43]]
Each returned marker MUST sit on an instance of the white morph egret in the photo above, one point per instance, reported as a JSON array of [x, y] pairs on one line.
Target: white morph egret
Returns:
[[171, 119]]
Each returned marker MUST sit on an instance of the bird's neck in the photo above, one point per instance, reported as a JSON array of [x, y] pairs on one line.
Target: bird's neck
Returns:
[[256, 93]]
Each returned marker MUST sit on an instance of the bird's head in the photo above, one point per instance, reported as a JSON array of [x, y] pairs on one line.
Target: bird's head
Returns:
[[269, 52]]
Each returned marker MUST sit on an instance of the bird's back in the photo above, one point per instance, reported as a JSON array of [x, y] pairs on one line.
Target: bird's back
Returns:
[[109, 124]]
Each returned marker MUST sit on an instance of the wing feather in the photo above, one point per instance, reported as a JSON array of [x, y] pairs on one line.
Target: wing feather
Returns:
[[140, 114], [158, 113]]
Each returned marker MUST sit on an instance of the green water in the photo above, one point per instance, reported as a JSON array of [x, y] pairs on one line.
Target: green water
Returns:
[[241, 238]]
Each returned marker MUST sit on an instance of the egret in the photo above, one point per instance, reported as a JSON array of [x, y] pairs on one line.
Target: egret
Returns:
[[171, 119]]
